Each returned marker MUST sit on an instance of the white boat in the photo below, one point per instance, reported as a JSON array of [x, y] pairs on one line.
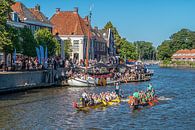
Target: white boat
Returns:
[[82, 82], [90, 81], [111, 82]]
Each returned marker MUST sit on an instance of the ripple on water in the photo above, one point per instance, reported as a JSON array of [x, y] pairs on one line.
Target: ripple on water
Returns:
[[52, 108]]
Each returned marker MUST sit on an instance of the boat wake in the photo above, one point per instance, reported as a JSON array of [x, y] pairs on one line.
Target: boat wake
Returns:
[[124, 100], [162, 98]]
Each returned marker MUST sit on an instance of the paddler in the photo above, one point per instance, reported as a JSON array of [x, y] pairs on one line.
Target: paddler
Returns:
[[149, 87], [136, 94], [117, 89], [84, 98], [135, 99], [150, 90]]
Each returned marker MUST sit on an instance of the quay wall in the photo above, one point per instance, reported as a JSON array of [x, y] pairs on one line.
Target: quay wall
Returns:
[[12, 81], [177, 66]]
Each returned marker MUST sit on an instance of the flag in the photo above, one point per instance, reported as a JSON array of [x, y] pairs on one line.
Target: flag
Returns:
[[14, 56], [46, 57], [38, 55], [42, 54]]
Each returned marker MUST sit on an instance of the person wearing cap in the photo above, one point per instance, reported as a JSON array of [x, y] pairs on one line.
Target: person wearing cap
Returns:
[[136, 94], [135, 99], [149, 87]]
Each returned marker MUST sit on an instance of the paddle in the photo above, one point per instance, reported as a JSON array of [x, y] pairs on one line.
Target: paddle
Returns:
[[74, 104], [104, 102], [155, 100], [150, 103]]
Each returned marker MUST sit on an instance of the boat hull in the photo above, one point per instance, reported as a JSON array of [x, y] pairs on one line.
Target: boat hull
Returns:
[[102, 104], [139, 106], [141, 80], [80, 82]]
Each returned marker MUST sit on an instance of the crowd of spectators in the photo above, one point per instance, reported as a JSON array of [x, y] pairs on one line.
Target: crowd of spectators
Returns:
[[24, 63]]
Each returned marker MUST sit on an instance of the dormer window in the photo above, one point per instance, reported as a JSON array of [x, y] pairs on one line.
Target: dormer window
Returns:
[[15, 17]]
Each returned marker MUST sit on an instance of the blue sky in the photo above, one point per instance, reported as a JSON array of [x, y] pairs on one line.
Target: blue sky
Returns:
[[148, 20]]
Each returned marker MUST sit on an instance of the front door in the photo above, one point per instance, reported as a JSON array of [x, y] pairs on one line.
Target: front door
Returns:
[[76, 56]]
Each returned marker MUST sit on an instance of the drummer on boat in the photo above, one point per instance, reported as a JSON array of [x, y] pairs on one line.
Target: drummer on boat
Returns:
[[118, 90]]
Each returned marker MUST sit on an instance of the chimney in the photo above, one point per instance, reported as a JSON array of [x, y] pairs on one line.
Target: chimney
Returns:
[[86, 18], [37, 7], [76, 9], [96, 28], [57, 10]]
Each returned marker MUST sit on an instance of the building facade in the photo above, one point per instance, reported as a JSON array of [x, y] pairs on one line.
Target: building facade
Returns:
[[184, 55], [110, 43], [31, 18], [98, 45], [68, 25]]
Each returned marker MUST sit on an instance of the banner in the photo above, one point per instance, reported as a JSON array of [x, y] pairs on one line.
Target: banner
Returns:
[[14, 56], [46, 57], [42, 54], [38, 55]]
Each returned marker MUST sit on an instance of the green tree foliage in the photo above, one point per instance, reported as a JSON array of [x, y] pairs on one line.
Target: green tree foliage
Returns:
[[67, 48], [164, 50], [14, 36], [127, 50], [5, 9], [28, 42], [184, 39], [146, 50], [45, 38]]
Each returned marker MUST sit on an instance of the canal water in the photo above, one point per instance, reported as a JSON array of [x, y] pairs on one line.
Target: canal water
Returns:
[[51, 108]]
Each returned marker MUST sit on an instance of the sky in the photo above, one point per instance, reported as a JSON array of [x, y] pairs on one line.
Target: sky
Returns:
[[136, 20]]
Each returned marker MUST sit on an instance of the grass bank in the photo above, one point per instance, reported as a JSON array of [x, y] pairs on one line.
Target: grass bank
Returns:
[[187, 64]]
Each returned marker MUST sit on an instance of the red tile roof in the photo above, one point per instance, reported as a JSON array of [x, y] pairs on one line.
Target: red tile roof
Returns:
[[184, 54], [39, 15], [69, 23], [23, 11], [29, 14], [186, 51]]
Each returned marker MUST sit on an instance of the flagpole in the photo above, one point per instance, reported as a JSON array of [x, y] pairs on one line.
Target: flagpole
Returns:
[[88, 40]]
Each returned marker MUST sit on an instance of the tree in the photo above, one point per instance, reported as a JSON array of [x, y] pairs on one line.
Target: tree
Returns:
[[67, 48], [5, 9], [164, 50], [14, 36], [145, 50], [128, 50], [45, 38], [5, 41], [183, 39], [28, 42]]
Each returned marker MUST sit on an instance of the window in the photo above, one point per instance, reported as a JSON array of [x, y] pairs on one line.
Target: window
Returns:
[[15, 17], [76, 45]]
